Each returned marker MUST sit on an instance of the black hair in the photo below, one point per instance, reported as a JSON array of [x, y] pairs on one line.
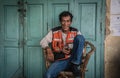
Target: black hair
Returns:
[[64, 14]]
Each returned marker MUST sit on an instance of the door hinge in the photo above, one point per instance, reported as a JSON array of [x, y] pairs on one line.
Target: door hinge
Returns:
[[48, 27], [21, 43], [0, 28], [101, 26], [22, 9]]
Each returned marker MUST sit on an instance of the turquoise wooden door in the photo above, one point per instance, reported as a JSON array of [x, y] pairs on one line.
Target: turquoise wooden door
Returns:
[[34, 29], [87, 18], [20, 35], [11, 51], [20, 53], [88, 21]]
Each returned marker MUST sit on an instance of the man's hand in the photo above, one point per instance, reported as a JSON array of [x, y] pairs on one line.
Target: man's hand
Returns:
[[50, 55], [66, 51]]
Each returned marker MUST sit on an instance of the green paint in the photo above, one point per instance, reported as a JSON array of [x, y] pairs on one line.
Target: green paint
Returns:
[[19, 41]]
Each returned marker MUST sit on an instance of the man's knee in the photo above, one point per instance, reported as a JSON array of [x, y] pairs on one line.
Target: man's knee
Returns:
[[80, 38]]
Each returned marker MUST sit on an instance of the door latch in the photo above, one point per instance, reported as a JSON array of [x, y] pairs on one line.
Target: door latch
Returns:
[[22, 10]]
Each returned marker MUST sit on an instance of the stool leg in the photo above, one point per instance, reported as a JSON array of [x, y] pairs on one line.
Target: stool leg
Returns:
[[82, 75]]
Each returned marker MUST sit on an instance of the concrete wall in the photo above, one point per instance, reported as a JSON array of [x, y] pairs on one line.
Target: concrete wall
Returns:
[[112, 49]]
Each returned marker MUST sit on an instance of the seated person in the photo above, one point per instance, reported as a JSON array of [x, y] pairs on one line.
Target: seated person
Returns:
[[67, 47]]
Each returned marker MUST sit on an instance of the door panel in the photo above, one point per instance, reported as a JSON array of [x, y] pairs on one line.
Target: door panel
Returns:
[[33, 62], [11, 63], [11, 37], [87, 19], [88, 15], [34, 30], [55, 7]]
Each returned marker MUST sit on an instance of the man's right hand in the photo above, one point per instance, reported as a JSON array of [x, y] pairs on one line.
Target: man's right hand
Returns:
[[66, 51], [50, 55]]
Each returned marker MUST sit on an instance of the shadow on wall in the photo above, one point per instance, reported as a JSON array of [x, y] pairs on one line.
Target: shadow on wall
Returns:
[[112, 57]]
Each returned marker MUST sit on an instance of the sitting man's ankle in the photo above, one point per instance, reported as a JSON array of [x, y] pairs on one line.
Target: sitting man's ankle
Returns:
[[75, 70]]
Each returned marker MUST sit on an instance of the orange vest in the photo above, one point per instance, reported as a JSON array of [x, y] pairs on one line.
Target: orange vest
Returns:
[[57, 41]]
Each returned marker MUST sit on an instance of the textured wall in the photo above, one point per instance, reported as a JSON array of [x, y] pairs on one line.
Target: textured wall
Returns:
[[112, 49]]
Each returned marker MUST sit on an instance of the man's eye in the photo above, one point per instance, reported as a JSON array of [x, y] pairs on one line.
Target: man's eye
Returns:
[[68, 20]]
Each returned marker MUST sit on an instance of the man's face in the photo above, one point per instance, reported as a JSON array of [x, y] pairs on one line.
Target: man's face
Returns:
[[66, 22]]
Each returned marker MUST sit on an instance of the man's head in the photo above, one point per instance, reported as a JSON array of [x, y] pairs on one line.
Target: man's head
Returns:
[[65, 19], [65, 14]]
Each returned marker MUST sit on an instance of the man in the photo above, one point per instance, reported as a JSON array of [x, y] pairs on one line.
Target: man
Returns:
[[67, 46]]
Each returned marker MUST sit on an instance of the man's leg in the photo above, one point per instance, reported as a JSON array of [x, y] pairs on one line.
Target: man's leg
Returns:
[[77, 51], [56, 68]]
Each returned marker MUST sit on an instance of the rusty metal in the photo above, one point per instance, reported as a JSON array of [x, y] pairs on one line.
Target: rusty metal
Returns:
[[22, 11]]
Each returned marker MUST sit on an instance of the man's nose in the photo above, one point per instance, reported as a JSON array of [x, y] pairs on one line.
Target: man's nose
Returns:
[[65, 23]]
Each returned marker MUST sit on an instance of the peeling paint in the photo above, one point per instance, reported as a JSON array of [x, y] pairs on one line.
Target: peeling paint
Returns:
[[112, 49]]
